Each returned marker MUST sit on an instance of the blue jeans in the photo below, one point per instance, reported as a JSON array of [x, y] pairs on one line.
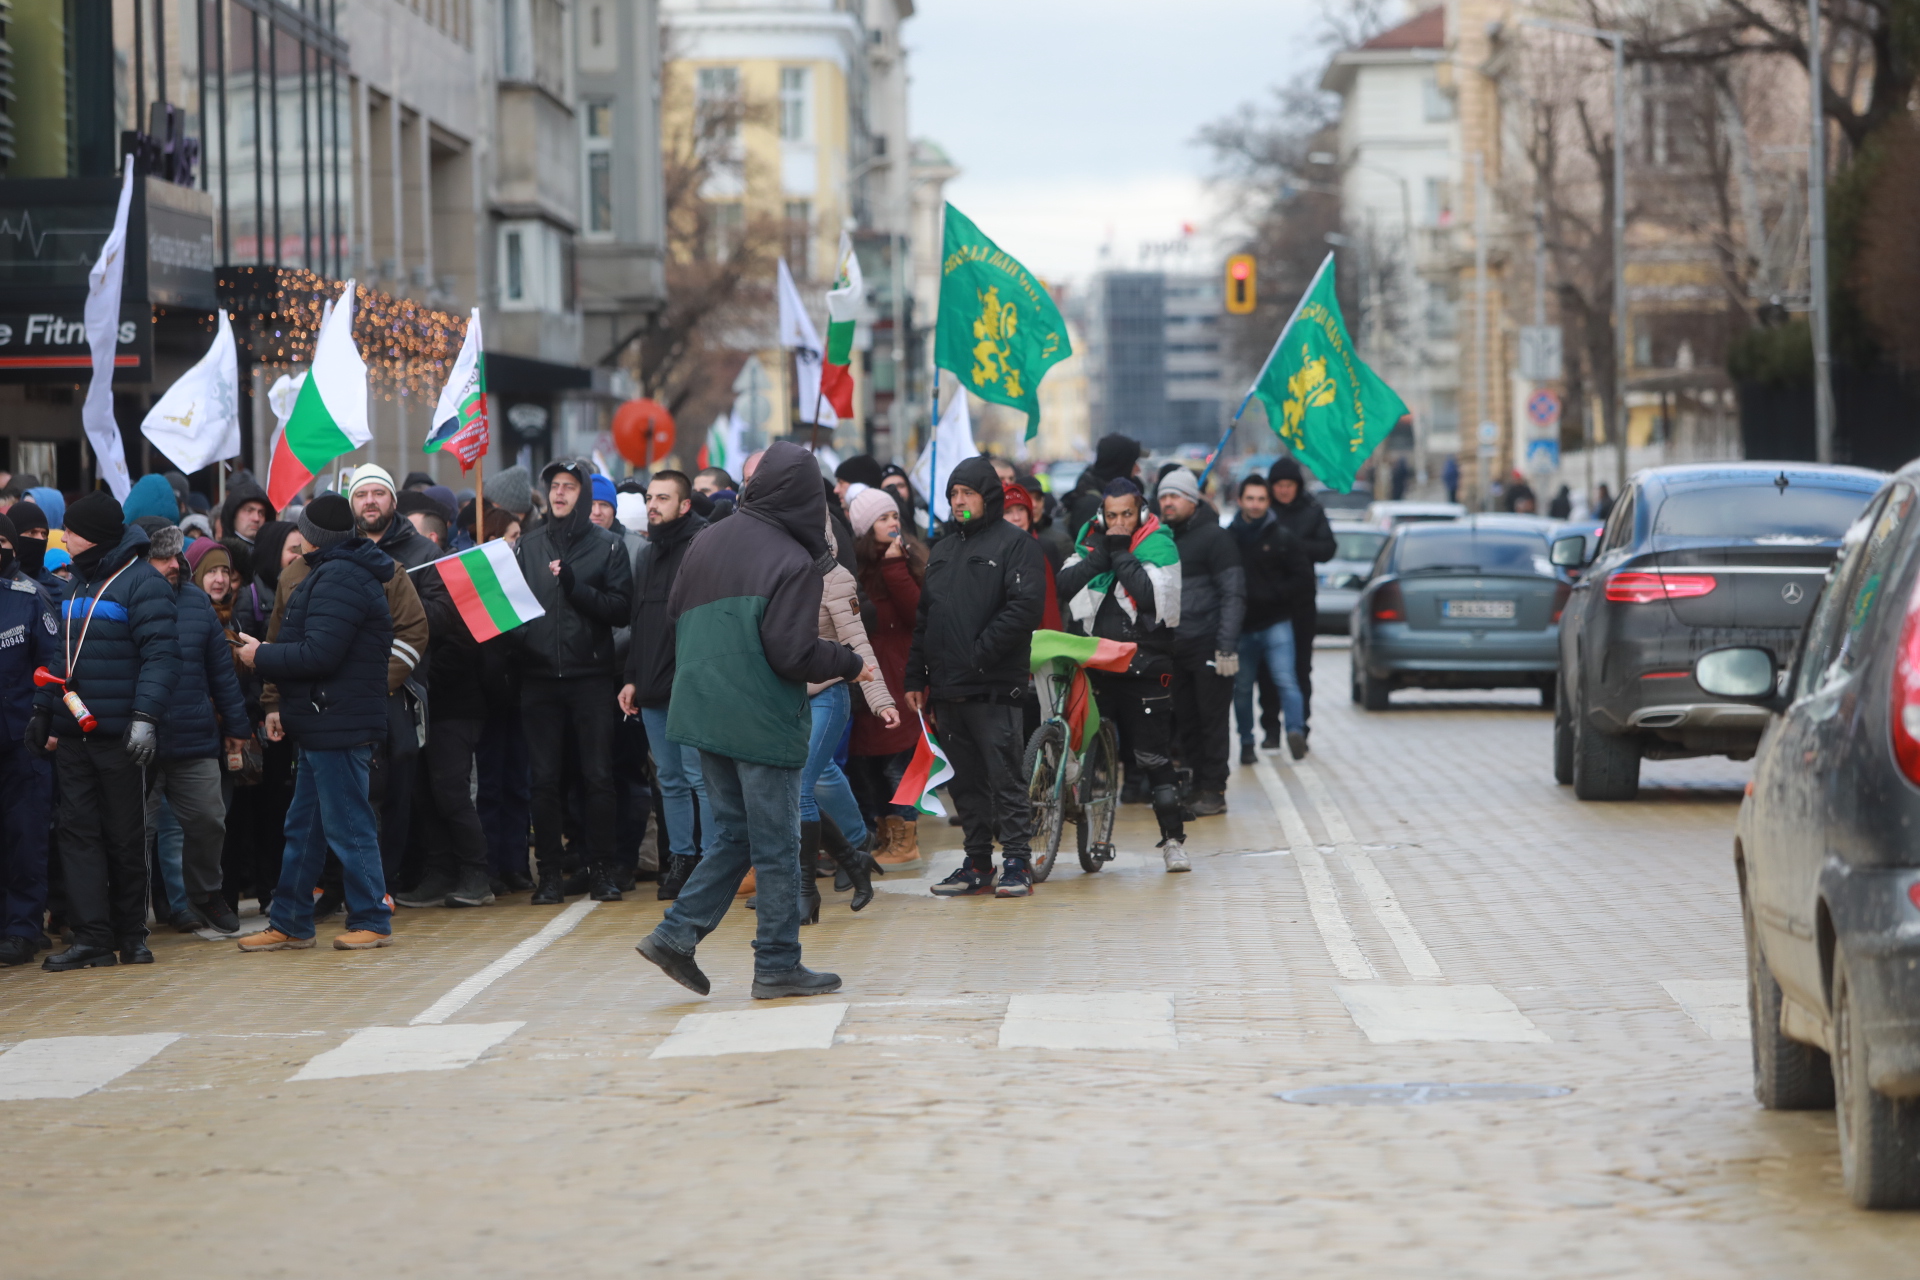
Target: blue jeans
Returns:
[[1275, 644], [170, 848], [823, 784], [330, 809], [756, 822], [683, 788]]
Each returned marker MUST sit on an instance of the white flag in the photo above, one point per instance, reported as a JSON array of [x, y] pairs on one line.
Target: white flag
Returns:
[[197, 423], [798, 334], [952, 444], [103, 337]]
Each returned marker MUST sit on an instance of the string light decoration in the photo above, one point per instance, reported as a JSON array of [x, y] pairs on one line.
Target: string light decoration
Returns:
[[409, 347]]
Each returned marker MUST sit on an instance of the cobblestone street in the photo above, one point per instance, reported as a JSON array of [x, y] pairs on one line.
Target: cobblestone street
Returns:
[[1080, 1084]]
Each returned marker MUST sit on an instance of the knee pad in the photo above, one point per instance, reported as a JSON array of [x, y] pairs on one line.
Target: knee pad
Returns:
[[1164, 798]]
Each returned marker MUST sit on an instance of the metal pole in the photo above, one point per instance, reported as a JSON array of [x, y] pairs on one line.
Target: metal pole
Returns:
[[1620, 260], [1817, 242], [1482, 376]]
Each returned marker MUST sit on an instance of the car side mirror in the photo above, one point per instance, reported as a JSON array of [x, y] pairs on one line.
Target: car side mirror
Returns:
[[1749, 675], [1568, 553]]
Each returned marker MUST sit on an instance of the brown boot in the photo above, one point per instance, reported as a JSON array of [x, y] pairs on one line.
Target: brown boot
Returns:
[[906, 842], [882, 838], [746, 886]]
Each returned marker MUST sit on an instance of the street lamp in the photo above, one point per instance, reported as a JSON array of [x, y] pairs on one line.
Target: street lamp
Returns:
[[1618, 39]]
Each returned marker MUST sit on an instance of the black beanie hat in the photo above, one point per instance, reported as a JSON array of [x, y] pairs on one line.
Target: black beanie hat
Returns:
[[1287, 468], [97, 518], [326, 521], [27, 515], [7, 530], [860, 469], [1115, 456]]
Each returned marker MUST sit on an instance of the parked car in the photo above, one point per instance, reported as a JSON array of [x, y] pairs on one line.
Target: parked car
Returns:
[[1342, 577], [1458, 605], [1694, 557], [1350, 505], [1588, 531], [1391, 515], [1828, 866]]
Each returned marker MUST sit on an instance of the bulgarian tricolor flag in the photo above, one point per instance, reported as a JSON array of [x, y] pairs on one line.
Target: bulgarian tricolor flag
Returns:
[[488, 588], [460, 420], [928, 770], [1082, 712], [329, 415], [843, 311]]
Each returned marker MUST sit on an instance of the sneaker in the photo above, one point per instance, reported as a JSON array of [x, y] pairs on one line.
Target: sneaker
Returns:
[[362, 940], [432, 891], [187, 921], [220, 916], [1247, 754], [968, 879], [1208, 804], [473, 889], [1016, 879], [1174, 851], [1270, 743], [797, 981], [1297, 745], [271, 939]]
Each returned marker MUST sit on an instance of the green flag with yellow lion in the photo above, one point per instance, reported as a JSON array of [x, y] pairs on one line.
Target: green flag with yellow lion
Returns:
[[1329, 408], [999, 330]]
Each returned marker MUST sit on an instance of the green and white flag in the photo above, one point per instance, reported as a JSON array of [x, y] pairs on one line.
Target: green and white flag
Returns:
[[998, 329], [329, 415]]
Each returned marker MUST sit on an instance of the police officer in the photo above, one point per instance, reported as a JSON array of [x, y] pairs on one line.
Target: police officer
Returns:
[[28, 639]]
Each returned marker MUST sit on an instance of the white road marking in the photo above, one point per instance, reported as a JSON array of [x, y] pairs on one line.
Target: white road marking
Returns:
[[379, 1051], [1323, 900], [1398, 1015], [1386, 908], [71, 1066], [1718, 1006], [705, 1035], [1111, 1020], [457, 999]]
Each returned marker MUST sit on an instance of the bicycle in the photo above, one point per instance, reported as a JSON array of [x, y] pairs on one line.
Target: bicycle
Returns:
[[1073, 759]]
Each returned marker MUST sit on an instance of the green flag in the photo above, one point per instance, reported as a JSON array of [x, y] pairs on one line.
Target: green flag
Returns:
[[1321, 399], [999, 331]]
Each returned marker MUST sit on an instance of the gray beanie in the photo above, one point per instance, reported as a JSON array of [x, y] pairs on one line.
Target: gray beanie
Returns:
[[326, 521], [511, 490], [1181, 481]]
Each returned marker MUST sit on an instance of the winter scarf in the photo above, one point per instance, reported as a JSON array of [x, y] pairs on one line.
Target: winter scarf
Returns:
[[1154, 548]]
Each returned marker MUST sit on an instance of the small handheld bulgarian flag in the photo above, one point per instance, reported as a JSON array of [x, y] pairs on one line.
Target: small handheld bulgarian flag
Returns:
[[488, 588], [928, 770], [843, 313], [460, 419]]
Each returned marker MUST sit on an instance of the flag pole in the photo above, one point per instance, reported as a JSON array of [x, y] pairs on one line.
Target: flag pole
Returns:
[[480, 463], [813, 440], [1248, 398], [933, 457]]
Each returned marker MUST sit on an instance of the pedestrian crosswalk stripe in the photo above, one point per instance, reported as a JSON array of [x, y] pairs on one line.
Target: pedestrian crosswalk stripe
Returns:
[[1108, 1020], [1718, 1006], [703, 1035], [1386, 907], [377, 1051], [1399, 1015], [526, 949], [71, 1066], [1323, 900]]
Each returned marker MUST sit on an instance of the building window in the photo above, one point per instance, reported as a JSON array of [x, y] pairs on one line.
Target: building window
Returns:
[[1442, 310], [1438, 103], [1445, 420], [795, 107], [799, 238], [1439, 202], [598, 118], [535, 270], [599, 37], [727, 224]]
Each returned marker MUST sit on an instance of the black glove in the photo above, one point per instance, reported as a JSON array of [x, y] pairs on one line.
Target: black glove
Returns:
[[1097, 555], [566, 577], [142, 741], [39, 729], [1118, 544]]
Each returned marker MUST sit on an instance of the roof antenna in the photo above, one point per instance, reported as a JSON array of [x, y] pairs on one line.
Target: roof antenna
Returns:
[[1781, 482]]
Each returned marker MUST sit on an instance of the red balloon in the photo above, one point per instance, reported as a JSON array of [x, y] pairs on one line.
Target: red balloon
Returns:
[[643, 432]]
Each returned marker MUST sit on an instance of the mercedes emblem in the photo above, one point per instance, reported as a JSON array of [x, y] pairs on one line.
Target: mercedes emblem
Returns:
[[1792, 593]]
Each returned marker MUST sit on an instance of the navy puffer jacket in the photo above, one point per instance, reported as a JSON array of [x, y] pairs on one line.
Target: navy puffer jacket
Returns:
[[330, 662], [207, 683], [130, 660]]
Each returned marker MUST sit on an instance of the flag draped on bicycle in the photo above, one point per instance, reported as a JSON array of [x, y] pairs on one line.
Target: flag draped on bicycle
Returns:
[[1081, 713]]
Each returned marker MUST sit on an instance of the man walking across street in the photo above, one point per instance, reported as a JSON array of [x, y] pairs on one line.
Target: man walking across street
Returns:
[[745, 609], [972, 638], [119, 657], [330, 664], [1300, 514], [1213, 601], [29, 638], [1279, 575]]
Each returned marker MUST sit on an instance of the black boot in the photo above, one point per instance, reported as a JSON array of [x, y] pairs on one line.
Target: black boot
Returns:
[[679, 870], [80, 955], [548, 893], [856, 865], [133, 950], [809, 891], [604, 887]]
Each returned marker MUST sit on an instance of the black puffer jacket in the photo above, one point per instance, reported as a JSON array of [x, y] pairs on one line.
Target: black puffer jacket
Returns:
[[131, 660], [1304, 517], [984, 595], [650, 660], [575, 638], [207, 684], [1213, 589], [411, 549], [330, 661], [1279, 572]]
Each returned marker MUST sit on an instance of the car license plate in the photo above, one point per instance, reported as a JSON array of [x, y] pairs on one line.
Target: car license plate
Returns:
[[1476, 608]]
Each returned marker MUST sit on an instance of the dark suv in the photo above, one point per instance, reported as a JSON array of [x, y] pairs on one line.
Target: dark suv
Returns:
[[1693, 558]]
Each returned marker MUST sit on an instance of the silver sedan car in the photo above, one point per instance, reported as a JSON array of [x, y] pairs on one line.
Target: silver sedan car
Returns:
[[1342, 577]]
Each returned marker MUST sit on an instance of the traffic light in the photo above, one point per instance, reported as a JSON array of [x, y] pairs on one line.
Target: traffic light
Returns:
[[1241, 281]]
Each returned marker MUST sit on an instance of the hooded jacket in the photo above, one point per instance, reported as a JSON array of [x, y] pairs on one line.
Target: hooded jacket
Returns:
[[330, 662], [745, 609], [1304, 517], [243, 490], [1213, 589], [130, 660], [982, 600], [207, 683], [1115, 457], [591, 595], [650, 659]]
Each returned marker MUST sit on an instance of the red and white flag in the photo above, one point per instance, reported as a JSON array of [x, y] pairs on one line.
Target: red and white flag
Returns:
[[928, 770]]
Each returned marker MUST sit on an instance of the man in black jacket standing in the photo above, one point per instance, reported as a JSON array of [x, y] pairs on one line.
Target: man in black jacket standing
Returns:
[[580, 574], [120, 658], [1300, 514], [1279, 578], [1213, 600], [29, 638], [671, 526], [984, 595]]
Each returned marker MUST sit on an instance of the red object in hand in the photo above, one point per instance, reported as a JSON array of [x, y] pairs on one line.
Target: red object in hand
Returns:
[[78, 709]]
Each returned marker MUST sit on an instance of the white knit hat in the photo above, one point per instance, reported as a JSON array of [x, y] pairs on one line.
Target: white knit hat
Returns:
[[371, 473]]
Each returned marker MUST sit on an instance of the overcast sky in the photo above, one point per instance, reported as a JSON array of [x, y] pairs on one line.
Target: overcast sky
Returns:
[[1072, 121]]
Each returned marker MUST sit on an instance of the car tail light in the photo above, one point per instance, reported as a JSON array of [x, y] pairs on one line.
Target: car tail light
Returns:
[[1906, 693], [1913, 893], [1644, 588], [1388, 605], [1561, 594]]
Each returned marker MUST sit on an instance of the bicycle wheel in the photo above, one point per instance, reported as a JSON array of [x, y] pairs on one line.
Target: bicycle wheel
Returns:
[[1100, 780], [1046, 751]]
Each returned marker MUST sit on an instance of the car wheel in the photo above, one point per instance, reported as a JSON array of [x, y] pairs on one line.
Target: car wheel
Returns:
[[1879, 1136], [1605, 766], [1373, 692], [1787, 1075], [1562, 736]]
